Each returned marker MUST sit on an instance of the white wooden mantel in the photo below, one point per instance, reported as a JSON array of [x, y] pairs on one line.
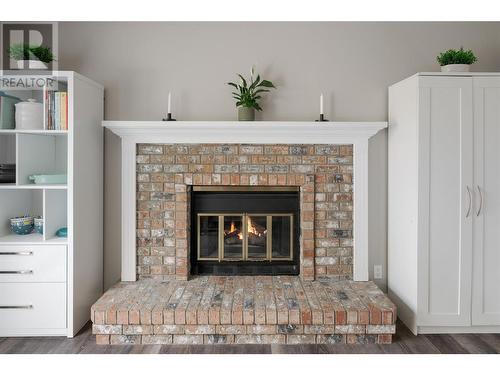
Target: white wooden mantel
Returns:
[[265, 132]]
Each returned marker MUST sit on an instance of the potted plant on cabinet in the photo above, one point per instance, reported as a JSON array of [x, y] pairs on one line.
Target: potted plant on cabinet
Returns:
[[456, 60], [35, 57], [248, 95]]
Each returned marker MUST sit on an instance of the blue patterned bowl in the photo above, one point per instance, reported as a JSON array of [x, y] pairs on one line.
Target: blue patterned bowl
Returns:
[[22, 225]]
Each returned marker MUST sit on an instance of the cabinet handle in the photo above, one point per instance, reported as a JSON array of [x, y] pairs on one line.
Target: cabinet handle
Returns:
[[18, 253], [16, 307], [480, 200], [470, 202], [21, 272]]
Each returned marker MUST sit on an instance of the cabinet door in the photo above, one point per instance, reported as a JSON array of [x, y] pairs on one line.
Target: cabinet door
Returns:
[[445, 201], [486, 250]]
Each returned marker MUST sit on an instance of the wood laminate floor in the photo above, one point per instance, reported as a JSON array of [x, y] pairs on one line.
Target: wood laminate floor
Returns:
[[404, 343]]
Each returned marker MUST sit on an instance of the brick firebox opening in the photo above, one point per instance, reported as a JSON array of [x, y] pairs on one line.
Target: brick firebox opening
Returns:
[[167, 172]]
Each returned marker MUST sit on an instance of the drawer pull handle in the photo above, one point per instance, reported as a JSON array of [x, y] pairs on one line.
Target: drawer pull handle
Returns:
[[18, 253], [16, 307], [21, 272]]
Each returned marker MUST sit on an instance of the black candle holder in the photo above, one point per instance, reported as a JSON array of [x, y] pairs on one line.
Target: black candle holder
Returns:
[[169, 118], [322, 118]]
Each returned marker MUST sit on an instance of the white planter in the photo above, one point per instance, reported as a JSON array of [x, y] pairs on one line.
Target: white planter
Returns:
[[455, 68], [32, 64]]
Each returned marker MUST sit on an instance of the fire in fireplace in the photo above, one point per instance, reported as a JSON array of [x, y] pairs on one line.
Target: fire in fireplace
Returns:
[[245, 230], [244, 236]]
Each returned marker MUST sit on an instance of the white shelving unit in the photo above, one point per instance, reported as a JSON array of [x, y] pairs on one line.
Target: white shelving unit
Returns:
[[48, 283]]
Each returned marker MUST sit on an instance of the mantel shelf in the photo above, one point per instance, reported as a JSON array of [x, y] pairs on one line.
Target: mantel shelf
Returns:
[[270, 132]]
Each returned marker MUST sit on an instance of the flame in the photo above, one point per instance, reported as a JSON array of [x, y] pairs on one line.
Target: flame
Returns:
[[233, 229], [252, 229]]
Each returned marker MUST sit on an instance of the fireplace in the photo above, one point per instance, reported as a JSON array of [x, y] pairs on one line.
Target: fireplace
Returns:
[[245, 230], [267, 198]]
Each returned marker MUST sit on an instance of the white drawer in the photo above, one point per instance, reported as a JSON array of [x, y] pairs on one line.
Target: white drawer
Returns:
[[32, 263], [32, 306]]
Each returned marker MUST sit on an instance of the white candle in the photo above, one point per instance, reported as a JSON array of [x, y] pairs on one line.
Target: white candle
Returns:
[[321, 104], [169, 103]]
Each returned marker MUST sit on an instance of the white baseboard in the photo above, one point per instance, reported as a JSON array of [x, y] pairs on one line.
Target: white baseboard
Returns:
[[28, 332], [456, 330]]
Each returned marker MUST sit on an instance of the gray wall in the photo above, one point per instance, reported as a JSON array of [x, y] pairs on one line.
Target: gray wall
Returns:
[[351, 63]]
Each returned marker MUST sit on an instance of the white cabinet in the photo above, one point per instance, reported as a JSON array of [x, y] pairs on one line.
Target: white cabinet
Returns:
[[49, 283], [444, 207], [486, 247]]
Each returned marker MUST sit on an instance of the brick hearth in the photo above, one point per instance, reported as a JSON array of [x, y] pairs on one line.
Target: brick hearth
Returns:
[[242, 310]]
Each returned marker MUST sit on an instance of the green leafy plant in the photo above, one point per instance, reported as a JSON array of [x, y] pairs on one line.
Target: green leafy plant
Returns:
[[453, 56], [22, 51], [249, 92]]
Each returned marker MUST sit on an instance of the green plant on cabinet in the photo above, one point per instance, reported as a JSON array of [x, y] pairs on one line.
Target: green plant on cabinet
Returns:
[[453, 56]]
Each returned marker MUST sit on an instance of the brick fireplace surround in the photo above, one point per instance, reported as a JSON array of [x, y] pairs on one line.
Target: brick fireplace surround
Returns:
[[167, 172], [168, 305]]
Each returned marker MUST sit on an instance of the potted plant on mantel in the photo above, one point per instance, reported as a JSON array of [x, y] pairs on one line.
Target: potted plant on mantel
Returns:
[[34, 57], [456, 60], [248, 95]]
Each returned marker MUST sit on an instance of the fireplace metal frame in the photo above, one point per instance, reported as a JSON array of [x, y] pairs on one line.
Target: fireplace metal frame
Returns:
[[269, 228], [223, 201]]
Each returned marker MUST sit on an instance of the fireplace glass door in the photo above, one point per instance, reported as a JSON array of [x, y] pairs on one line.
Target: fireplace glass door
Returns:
[[232, 238], [257, 243], [245, 237]]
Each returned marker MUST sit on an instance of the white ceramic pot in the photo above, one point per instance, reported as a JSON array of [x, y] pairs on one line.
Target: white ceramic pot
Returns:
[[31, 64], [29, 115], [455, 68]]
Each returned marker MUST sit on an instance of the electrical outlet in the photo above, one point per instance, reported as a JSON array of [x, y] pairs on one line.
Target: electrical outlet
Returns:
[[377, 271]]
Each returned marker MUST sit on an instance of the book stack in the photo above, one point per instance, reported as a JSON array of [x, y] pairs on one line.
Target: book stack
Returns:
[[56, 110]]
